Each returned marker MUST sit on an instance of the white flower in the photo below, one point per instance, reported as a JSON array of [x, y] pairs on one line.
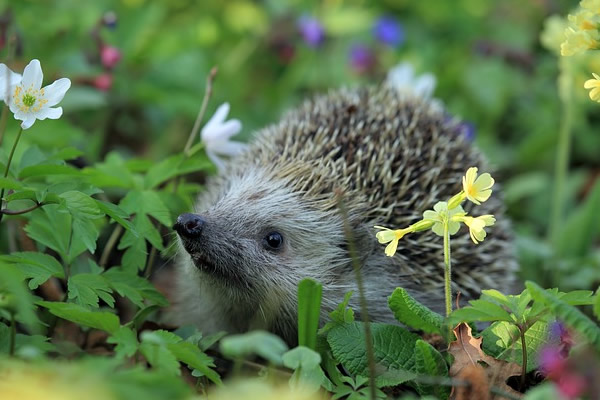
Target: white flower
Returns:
[[402, 77], [216, 134], [7, 80], [28, 101]]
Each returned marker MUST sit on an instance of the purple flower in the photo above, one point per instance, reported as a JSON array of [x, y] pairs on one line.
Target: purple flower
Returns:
[[109, 19], [311, 30], [362, 58], [388, 30], [467, 129]]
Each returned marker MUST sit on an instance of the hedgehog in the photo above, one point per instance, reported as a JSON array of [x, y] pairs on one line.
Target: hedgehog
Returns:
[[272, 218]]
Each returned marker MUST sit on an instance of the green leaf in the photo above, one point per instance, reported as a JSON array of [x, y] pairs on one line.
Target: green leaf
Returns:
[[309, 312], [118, 214], [414, 314], [341, 315], [480, 310], [85, 235], [126, 342], [597, 304], [502, 340], [393, 346], [577, 297], [15, 296], [24, 343], [428, 361], [191, 355], [38, 266], [133, 287], [580, 230], [52, 228], [147, 202], [264, 344], [88, 289], [155, 350], [101, 320], [306, 364], [68, 153], [43, 170], [9, 183], [566, 313]]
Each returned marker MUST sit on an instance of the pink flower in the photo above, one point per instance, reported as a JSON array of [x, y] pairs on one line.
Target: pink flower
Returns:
[[571, 386], [110, 56], [103, 82], [552, 362]]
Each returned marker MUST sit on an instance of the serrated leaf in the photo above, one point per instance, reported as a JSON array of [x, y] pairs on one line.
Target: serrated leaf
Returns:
[[101, 320], [40, 343], [17, 297], [39, 267], [160, 357], [577, 297], [309, 312], [81, 205], [51, 228], [566, 313], [133, 287], [429, 361], [85, 235], [118, 214], [146, 202], [191, 355], [126, 342], [134, 258], [502, 340], [264, 344], [414, 314], [393, 346], [87, 289]]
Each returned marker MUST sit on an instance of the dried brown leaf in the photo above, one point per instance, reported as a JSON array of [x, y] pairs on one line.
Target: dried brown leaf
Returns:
[[467, 352]]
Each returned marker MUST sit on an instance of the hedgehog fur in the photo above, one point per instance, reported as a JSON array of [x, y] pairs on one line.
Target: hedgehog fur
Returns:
[[393, 156]]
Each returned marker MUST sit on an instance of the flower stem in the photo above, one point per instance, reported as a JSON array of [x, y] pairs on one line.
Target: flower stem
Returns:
[[447, 269], [10, 157], [563, 149], [524, 355], [207, 93], [3, 119]]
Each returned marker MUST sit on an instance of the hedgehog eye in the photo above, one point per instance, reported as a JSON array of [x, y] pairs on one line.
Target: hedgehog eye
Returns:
[[273, 241]]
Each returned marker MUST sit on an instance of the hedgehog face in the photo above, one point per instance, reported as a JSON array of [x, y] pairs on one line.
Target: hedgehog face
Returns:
[[255, 234]]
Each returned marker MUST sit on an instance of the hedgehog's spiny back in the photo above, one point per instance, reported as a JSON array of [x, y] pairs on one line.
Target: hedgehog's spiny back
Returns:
[[394, 156]]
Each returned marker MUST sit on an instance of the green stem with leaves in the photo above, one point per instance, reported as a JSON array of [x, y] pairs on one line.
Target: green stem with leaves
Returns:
[[565, 85], [10, 157], [447, 268]]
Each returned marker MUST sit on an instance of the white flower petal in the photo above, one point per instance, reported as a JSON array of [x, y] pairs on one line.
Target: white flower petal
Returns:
[[229, 148], [32, 76], [424, 85], [401, 75], [55, 92], [219, 163], [8, 79], [218, 117], [27, 122], [52, 113], [222, 132]]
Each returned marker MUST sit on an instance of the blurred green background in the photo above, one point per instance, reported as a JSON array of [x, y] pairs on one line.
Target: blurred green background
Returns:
[[491, 69]]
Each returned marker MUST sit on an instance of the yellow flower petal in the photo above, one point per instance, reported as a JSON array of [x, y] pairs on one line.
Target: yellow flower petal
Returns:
[[390, 249], [477, 189]]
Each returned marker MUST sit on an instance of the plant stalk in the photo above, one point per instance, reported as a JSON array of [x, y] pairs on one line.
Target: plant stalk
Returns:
[[447, 269], [10, 157], [362, 299], [563, 150], [112, 240], [524, 355], [207, 93]]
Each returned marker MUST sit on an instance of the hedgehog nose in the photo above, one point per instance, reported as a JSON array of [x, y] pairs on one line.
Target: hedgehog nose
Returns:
[[189, 225]]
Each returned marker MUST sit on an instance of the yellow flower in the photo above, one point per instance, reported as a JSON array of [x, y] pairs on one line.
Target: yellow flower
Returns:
[[593, 84], [476, 226], [439, 214], [583, 20], [578, 41], [477, 189], [553, 33], [392, 237], [591, 5]]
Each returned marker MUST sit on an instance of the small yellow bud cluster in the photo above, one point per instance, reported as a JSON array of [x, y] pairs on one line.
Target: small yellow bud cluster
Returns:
[[582, 33], [449, 215]]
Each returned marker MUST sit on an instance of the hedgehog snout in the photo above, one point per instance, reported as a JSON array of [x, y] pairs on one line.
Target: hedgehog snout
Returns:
[[189, 225]]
